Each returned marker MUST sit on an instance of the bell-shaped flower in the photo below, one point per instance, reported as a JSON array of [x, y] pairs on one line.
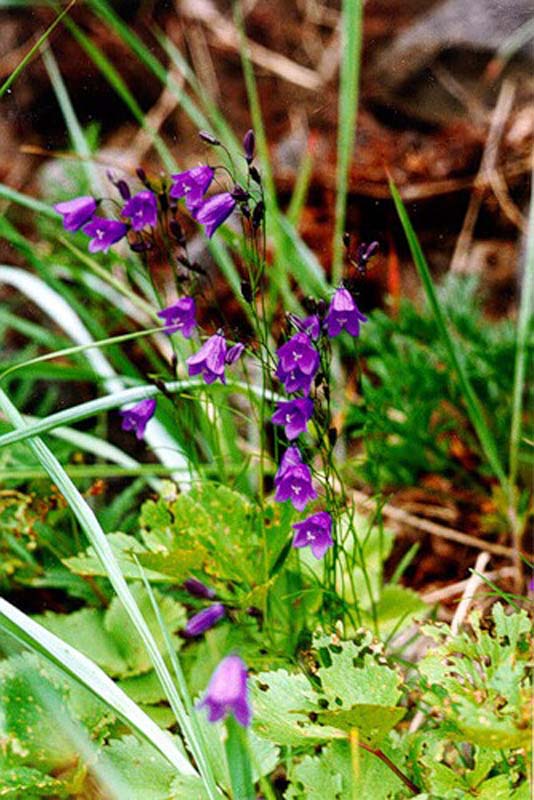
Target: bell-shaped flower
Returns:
[[198, 589], [76, 212], [205, 619], [293, 415], [103, 233], [137, 417], [180, 316], [227, 692], [311, 325], [214, 211], [343, 313], [298, 362], [293, 480], [314, 532], [142, 210], [212, 358], [192, 184]]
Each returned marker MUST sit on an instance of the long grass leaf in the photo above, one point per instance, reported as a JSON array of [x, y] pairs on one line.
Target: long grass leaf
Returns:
[[524, 323], [164, 445], [33, 50], [7, 193], [121, 398], [474, 409], [76, 133], [115, 80], [87, 674], [89, 523], [349, 79], [205, 766]]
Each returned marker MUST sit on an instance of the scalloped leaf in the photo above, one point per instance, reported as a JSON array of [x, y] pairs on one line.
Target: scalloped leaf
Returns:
[[108, 637], [335, 775]]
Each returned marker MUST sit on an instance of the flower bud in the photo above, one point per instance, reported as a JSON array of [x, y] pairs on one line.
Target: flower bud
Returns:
[[249, 143], [198, 589], [255, 175], [208, 137], [124, 189]]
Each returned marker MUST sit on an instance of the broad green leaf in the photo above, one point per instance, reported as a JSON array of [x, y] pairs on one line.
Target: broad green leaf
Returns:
[[396, 608], [485, 677], [284, 707], [354, 676], [145, 774], [123, 547], [334, 775], [108, 637], [25, 783], [31, 709], [372, 722], [213, 527]]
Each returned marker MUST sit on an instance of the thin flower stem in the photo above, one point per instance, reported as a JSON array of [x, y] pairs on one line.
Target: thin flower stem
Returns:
[[393, 767]]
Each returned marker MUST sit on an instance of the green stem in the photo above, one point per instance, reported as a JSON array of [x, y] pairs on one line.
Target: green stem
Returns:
[[238, 761]]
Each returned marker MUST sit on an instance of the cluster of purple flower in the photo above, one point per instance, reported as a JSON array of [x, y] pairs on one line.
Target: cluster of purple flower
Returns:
[[297, 368], [142, 208], [209, 362]]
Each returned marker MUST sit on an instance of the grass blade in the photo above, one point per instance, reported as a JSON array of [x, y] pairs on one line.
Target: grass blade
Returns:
[[349, 79], [76, 133], [81, 669], [524, 322], [205, 766], [29, 55], [116, 81], [121, 398], [474, 408], [89, 523]]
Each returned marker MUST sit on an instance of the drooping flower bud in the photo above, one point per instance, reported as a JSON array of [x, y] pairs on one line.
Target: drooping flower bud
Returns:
[[208, 137], [198, 589], [205, 620], [249, 143]]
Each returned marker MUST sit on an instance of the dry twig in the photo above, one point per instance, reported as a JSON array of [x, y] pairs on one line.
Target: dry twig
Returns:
[[401, 516]]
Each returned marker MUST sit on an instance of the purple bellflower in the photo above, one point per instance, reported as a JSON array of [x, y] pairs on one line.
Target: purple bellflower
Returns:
[[343, 313], [227, 692], [137, 418], [298, 364], [205, 620], [294, 415], [192, 184], [234, 353], [311, 326], [180, 316], [76, 212], [199, 589], [315, 532], [142, 209], [103, 233], [293, 480], [212, 358], [214, 211]]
